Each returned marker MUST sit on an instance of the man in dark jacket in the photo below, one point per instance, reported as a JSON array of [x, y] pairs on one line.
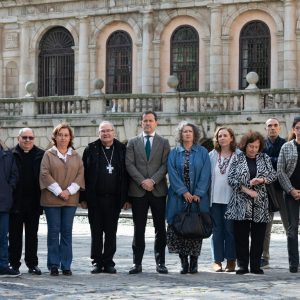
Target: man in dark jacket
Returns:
[[105, 194], [8, 181], [273, 144], [26, 209]]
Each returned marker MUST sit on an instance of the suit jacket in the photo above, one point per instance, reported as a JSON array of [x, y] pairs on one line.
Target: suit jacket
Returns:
[[140, 169]]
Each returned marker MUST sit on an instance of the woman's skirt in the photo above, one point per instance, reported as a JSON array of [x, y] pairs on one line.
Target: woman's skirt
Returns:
[[180, 245]]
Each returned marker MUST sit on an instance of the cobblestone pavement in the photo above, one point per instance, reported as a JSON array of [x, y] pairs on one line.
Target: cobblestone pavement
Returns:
[[277, 283]]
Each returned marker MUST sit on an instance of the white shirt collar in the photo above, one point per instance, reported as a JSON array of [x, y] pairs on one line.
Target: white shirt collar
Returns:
[[63, 156], [151, 135]]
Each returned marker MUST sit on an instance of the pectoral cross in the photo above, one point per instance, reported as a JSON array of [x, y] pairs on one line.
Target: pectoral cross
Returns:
[[110, 169]]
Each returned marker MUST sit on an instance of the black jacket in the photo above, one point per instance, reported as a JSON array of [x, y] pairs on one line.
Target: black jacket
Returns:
[[18, 197], [9, 178], [91, 160]]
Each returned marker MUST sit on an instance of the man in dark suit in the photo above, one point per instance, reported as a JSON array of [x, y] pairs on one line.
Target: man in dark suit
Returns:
[[106, 185], [146, 163], [26, 209]]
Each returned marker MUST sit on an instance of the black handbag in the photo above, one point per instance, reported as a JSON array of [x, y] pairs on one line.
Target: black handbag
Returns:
[[191, 224], [272, 197]]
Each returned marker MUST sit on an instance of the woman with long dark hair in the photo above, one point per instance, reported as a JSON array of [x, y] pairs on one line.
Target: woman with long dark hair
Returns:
[[221, 157]]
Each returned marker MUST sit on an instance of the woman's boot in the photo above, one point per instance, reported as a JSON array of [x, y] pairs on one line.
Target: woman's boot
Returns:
[[184, 264], [193, 264]]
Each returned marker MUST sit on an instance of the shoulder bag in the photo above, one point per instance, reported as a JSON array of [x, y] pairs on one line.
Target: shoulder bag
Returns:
[[272, 196], [191, 224]]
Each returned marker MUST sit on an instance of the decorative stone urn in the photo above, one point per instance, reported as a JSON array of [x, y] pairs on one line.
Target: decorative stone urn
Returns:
[[98, 86], [30, 88], [172, 83], [252, 78]]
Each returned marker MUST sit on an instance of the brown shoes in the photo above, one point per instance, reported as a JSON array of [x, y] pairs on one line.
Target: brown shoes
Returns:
[[230, 267], [217, 266]]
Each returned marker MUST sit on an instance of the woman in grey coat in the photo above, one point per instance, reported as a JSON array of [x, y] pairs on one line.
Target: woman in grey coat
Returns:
[[288, 169]]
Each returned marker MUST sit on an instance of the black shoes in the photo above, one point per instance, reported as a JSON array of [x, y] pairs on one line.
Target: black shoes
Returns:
[[294, 269], [35, 270], [257, 271], [9, 272], [242, 271], [97, 269], [54, 271], [135, 269], [109, 270], [161, 269], [67, 272]]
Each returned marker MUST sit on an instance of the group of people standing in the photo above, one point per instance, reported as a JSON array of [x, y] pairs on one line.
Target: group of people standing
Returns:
[[229, 182]]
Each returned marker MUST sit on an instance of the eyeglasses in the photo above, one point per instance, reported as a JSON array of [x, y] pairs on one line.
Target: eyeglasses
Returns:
[[25, 138]]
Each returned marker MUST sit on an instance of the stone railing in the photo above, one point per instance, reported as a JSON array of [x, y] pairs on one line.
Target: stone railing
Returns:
[[211, 102], [133, 103], [169, 103], [62, 105], [280, 99], [11, 107]]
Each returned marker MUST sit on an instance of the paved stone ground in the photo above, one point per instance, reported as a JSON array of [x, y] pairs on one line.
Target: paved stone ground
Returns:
[[277, 283]]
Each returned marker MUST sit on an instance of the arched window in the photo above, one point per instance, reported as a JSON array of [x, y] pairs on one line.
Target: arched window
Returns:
[[255, 53], [56, 63], [185, 57], [118, 63]]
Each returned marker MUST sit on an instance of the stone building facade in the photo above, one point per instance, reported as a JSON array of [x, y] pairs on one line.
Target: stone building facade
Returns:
[[209, 44], [150, 25]]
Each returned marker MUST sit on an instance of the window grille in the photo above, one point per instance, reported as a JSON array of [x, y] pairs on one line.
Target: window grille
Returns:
[[56, 63], [119, 63], [255, 53], [185, 58]]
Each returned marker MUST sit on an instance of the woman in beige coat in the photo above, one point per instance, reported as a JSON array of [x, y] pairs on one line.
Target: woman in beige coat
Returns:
[[61, 178]]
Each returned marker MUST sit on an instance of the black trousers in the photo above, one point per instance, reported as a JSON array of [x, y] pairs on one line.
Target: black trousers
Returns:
[[140, 208], [242, 230], [292, 206], [30, 221], [103, 219]]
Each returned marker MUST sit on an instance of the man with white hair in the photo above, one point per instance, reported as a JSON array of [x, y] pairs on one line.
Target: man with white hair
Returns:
[[105, 194], [26, 209]]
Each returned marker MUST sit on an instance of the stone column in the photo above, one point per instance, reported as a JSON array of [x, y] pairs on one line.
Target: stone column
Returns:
[[147, 59], [83, 57], [290, 46], [215, 57], [25, 63]]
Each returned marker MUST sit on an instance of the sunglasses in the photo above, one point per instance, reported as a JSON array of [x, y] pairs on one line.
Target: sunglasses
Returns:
[[30, 138]]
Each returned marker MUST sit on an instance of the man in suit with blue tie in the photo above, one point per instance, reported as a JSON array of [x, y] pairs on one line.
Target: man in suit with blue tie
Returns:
[[146, 163]]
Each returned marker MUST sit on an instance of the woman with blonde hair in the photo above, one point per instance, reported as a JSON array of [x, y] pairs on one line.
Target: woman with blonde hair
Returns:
[[61, 178]]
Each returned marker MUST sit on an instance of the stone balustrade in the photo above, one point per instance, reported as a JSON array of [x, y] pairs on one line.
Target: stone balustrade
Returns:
[[211, 102], [62, 105], [170, 103], [285, 99]]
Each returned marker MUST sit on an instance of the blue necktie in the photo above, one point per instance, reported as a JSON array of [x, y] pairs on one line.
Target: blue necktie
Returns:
[[148, 146]]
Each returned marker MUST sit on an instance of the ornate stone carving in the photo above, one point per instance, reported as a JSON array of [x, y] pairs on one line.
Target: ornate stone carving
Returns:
[[11, 40]]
